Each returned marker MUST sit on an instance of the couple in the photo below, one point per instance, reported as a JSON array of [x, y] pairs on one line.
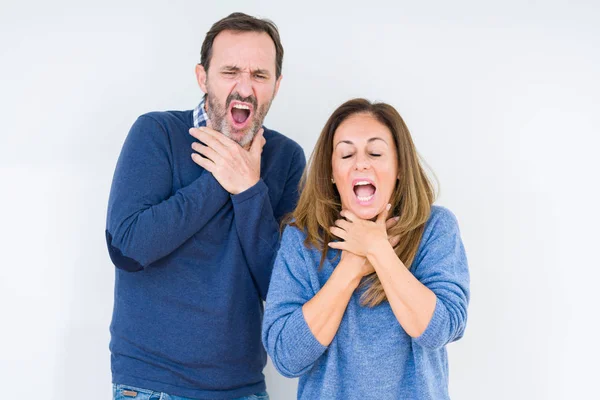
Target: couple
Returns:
[[364, 288]]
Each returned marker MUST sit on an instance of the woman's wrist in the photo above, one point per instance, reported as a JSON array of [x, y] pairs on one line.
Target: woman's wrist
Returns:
[[350, 274], [376, 247]]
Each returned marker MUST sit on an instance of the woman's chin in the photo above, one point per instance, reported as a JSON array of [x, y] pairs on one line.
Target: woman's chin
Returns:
[[364, 212]]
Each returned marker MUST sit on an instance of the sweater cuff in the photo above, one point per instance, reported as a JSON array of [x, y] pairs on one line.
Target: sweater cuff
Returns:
[[431, 337], [305, 344], [247, 194]]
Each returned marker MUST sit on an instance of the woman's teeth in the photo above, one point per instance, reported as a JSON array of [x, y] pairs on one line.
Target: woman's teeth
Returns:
[[362, 194], [365, 198]]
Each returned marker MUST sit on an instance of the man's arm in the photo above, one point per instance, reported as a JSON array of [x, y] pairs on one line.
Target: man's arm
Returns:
[[238, 171], [146, 220]]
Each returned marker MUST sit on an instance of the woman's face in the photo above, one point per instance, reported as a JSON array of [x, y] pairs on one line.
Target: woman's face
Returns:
[[365, 165]]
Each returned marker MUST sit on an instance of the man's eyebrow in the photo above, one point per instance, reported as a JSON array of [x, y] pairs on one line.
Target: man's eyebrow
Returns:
[[261, 71], [230, 68]]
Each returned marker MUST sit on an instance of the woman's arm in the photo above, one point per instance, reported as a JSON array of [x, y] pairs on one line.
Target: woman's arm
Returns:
[[323, 313], [430, 301], [294, 338], [411, 301]]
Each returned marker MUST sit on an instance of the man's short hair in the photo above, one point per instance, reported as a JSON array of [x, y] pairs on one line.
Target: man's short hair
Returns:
[[241, 22]]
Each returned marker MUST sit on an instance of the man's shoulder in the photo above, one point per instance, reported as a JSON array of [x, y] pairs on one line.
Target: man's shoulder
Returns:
[[166, 118]]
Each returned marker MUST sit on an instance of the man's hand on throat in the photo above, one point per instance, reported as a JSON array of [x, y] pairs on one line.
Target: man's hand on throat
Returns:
[[234, 167]]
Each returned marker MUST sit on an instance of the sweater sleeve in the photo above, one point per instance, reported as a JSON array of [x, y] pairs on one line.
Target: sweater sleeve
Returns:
[[442, 267], [257, 222], [286, 336], [146, 220]]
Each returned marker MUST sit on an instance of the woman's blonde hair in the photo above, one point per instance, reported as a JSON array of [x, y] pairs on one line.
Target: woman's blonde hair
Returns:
[[319, 204]]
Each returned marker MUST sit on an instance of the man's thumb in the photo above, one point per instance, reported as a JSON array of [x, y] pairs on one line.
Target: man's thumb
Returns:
[[258, 142]]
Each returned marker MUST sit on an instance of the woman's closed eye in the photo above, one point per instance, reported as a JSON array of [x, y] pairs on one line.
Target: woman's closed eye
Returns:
[[371, 154]]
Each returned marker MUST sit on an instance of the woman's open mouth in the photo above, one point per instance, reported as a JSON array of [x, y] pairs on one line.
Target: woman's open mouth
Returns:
[[241, 114], [364, 190]]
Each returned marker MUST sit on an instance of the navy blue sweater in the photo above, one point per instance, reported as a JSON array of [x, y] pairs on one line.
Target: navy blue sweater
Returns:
[[193, 262]]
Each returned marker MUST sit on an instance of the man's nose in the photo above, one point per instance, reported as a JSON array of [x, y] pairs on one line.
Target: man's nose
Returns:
[[244, 85]]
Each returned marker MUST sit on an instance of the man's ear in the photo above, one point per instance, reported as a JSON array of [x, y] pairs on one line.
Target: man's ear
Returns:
[[201, 77], [277, 85]]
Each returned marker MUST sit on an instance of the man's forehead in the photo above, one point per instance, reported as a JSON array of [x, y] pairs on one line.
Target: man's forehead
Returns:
[[244, 50]]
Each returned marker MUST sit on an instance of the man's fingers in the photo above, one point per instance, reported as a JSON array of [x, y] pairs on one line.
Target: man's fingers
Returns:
[[258, 142], [224, 140], [203, 162], [209, 139], [206, 151]]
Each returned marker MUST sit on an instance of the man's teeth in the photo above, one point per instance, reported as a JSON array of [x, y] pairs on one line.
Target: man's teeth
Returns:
[[241, 106]]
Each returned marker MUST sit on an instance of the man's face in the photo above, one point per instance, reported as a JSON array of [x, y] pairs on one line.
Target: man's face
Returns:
[[240, 83]]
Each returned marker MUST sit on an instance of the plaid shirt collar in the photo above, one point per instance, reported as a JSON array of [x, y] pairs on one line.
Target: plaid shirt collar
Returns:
[[200, 116]]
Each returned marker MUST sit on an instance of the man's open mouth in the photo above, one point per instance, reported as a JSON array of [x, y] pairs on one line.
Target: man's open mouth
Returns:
[[364, 190], [240, 113]]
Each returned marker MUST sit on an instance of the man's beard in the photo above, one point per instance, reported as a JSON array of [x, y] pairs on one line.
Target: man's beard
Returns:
[[218, 117]]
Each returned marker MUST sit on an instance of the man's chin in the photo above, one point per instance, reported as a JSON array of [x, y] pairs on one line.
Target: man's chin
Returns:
[[243, 138]]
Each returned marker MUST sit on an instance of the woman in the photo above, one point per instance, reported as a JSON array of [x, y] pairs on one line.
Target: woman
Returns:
[[360, 307]]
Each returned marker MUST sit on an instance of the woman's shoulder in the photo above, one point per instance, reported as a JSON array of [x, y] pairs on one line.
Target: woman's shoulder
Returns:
[[292, 233], [441, 221], [294, 240], [442, 215], [296, 254]]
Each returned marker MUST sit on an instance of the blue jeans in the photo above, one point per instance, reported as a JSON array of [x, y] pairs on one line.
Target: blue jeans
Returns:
[[126, 392]]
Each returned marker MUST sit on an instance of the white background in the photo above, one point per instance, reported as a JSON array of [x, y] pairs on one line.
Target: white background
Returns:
[[502, 99]]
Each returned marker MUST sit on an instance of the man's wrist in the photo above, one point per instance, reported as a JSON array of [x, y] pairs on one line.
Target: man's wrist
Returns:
[[246, 187], [249, 193]]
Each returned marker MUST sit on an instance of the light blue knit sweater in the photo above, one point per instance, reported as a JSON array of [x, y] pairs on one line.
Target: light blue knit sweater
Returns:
[[371, 356]]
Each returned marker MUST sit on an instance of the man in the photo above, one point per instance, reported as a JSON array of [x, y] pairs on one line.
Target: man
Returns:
[[194, 237]]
